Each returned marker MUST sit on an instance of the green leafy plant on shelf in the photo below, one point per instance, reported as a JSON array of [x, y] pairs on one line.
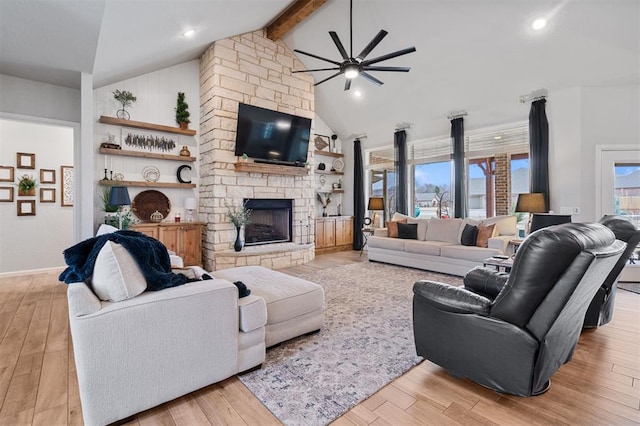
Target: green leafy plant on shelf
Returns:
[[26, 183], [104, 198], [126, 98], [182, 111]]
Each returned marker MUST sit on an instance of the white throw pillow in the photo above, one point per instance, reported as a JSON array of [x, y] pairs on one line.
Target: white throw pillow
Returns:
[[106, 229], [444, 230], [397, 217], [116, 275], [423, 224], [505, 225]]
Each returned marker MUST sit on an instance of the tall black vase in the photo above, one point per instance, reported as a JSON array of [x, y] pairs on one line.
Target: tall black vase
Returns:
[[237, 246]]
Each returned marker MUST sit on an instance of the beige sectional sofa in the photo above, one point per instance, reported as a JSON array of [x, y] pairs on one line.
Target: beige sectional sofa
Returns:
[[438, 245]]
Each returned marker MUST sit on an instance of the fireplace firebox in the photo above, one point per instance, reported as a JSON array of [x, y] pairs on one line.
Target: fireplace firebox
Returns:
[[271, 221]]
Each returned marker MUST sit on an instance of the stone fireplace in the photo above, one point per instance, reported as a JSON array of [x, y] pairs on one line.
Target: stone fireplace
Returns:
[[252, 69]]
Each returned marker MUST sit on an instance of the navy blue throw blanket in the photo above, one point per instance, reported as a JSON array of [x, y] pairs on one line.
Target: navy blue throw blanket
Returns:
[[150, 255]]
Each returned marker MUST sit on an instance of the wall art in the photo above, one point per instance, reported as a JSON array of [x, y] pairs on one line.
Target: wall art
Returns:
[[47, 176], [66, 186], [6, 194], [25, 160], [26, 207], [47, 195], [321, 142], [6, 173], [142, 141]]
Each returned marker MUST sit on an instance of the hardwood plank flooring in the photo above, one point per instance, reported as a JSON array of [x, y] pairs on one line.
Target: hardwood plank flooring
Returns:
[[38, 383]]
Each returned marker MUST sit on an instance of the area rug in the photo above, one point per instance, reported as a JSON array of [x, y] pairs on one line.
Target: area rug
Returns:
[[366, 342]]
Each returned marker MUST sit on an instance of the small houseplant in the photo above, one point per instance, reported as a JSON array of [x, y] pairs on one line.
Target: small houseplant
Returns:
[[26, 185], [239, 216], [110, 216], [182, 112], [126, 98]]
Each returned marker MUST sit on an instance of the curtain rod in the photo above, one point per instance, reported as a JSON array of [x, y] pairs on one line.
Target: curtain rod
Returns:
[[404, 125], [536, 95], [457, 114]]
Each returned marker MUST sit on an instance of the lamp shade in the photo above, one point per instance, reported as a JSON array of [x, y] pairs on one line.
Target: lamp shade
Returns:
[[376, 203], [119, 196], [531, 203], [190, 203]]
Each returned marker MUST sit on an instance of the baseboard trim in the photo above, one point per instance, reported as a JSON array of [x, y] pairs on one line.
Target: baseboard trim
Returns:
[[57, 269]]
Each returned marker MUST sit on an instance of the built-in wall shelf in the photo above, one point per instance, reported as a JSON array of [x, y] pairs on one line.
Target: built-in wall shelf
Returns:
[[328, 172], [147, 126], [146, 184], [337, 191], [329, 154], [142, 154], [274, 169]]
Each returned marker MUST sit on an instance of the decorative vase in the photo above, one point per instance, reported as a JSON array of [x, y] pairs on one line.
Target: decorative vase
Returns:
[[122, 113], [239, 244], [184, 152], [324, 211], [184, 125]]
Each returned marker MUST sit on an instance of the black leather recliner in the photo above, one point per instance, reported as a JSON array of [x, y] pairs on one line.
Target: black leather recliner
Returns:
[[511, 332], [601, 308]]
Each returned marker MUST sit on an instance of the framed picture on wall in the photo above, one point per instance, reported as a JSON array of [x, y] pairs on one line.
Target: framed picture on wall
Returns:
[[6, 173], [66, 186], [6, 194], [26, 207], [47, 176], [25, 160], [47, 195], [322, 143]]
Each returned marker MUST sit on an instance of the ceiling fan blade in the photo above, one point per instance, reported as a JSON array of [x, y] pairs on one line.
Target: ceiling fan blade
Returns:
[[336, 40], [372, 44], [389, 56], [347, 84], [371, 78], [328, 78], [318, 69], [396, 69], [316, 56]]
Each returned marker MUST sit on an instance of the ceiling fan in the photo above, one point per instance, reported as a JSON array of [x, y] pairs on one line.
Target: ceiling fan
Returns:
[[359, 66]]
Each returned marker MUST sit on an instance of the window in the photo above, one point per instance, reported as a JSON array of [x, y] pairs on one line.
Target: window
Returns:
[[382, 178], [432, 189], [627, 191]]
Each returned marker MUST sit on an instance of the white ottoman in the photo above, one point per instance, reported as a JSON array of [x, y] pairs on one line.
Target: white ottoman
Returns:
[[294, 306]]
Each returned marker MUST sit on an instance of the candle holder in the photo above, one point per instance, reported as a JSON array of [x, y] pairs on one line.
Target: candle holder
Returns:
[[105, 175]]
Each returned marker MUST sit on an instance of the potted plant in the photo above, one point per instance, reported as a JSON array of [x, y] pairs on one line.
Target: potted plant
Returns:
[[182, 112], [27, 186], [126, 98], [110, 211], [239, 216]]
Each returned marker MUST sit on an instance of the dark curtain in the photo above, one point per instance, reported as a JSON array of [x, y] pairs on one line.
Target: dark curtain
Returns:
[[358, 196], [539, 149], [400, 162], [460, 195]]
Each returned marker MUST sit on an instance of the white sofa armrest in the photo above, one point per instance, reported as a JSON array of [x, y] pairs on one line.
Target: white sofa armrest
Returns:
[[380, 232], [500, 243]]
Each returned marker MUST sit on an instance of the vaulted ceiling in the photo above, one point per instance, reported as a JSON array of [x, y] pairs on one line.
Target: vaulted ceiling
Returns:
[[479, 56]]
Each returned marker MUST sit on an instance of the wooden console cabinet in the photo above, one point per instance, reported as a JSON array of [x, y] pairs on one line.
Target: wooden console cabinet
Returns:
[[334, 234], [184, 238]]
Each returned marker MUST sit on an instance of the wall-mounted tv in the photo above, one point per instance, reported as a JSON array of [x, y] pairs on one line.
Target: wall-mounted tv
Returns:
[[272, 136]]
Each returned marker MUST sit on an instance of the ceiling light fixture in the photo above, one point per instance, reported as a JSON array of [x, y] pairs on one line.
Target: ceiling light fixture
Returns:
[[539, 24], [357, 94], [498, 137], [189, 33], [351, 71]]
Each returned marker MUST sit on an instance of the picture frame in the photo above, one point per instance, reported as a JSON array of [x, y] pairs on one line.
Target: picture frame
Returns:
[[47, 195], [322, 143], [66, 186], [6, 173], [26, 207], [6, 194], [47, 176], [25, 160]]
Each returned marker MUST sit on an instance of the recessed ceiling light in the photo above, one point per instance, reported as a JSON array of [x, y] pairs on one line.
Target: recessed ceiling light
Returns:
[[189, 33], [357, 93], [539, 24]]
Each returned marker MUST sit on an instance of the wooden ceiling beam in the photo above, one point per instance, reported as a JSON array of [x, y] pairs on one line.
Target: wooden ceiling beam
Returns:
[[291, 17]]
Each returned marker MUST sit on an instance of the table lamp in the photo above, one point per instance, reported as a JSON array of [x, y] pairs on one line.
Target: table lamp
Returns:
[[531, 203], [190, 205], [375, 204], [119, 196]]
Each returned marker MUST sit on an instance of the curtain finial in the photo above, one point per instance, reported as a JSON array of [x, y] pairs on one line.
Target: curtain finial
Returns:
[[457, 114], [536, 95]]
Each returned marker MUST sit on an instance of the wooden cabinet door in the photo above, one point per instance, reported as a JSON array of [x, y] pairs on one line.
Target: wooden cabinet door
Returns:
[[344, 231], [169, 236], [191, 244], [325, 233], [151, 231]]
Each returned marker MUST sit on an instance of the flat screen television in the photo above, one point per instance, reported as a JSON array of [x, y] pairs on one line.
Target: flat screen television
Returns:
[[271, 136]]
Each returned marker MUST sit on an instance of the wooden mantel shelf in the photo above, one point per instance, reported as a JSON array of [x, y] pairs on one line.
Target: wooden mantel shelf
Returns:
[[147, 126], [274, 169]]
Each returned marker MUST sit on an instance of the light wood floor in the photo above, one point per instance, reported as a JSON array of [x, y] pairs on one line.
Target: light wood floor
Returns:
[[600, 386]]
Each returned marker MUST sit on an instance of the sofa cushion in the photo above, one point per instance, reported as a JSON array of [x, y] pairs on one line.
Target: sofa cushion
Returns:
[[392, 227], [423, 224], [475, 254], [398, 217], [466, 221], [444, 230], [484, 233], [252, 313], [116, 275], [408, 231], [469, 235], [505, 225], [424, 247], [386, 243]]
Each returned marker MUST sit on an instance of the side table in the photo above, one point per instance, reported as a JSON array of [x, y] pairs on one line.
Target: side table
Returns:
[[366, 233], [499, 263]]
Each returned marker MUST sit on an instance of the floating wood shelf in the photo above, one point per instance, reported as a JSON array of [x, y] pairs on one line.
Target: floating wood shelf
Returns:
[[147, 126], [146, 184], [328, 154], [142, 154], [328, 172], [337, 191], [274, 169]]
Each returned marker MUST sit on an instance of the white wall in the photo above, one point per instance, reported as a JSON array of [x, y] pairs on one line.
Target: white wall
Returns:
[[345, 199], [156, 95], [35, 242]]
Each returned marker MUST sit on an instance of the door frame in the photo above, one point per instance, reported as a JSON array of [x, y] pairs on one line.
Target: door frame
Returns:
[[600, 152]]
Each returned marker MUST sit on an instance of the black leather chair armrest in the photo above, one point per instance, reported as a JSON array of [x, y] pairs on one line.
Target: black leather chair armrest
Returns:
[[451, 299], [484, 281]]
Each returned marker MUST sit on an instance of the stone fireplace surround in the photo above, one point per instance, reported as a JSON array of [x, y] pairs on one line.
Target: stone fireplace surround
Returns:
[[252, 69]]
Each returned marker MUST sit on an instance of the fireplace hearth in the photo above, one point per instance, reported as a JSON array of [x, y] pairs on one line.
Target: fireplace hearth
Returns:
[[271, 221]]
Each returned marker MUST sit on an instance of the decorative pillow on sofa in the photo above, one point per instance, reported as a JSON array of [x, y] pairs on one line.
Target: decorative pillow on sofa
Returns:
[[484, 233], [446, 230], [469, 235], [392, 228], [423, 224], [408, 231], [116, 275]]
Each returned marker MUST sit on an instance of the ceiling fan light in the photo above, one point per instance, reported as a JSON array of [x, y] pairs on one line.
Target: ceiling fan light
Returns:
[[351, 73]]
